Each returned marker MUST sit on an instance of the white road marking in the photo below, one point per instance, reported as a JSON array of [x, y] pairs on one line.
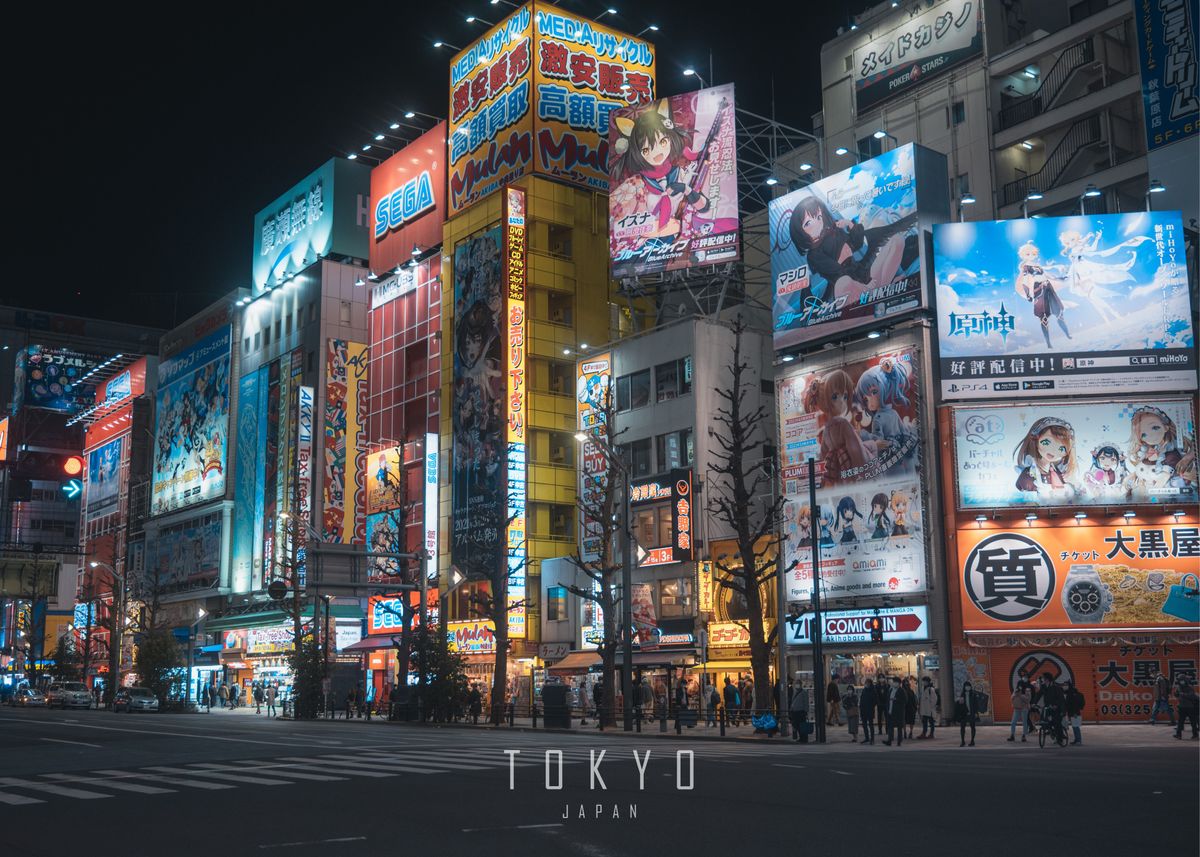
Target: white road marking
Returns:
[[111, 784], [515, 827], [64, 791], [78, 743], [801, 767], [844, 773], [18, 800], [174, 781], [237, 778], [314, 842], [253, 767]]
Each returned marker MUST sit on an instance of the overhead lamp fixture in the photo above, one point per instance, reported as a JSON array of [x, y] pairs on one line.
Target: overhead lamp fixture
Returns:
[[880, 134], [583, 346], [688, 72], [440, 44], [652, 28], [968, 199], [372, 276], [1027, 145], [979, 519], [1178, 513], [367, 147], [399, 269], [841, 150], [566, 351], [394, 126], [1091, 192], [772, 181], [580, 436], [1129, 514], [609, 11], [360, 282], [1031, 517], [853, 26], [1079, 516], [874, 334], [471, 19], [1033, 195], [787, 358], [408, 114], [416, 251], [353, 156], [805, 167], [379, 137], [1156, 187]]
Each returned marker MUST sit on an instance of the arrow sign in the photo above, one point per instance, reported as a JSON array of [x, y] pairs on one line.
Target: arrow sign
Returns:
[[851, 626], [456, 577], [72, 488]]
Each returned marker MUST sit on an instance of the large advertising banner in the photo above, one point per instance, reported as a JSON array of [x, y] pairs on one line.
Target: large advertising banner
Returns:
[[673, 167], [1064, 305], [317, 217], [860, 424], [1167, 39], [923, 47], [1076, 454], [246, 486], [385, 535], [593, 386], [845, 251], [189, 552], [1072, 577], [345, 490], [408, 200], [900, 624], [516, 404], [53, 378], [478, 420], [433, 458], [192, 425], [104, 478], [582, 73], [385, 469]]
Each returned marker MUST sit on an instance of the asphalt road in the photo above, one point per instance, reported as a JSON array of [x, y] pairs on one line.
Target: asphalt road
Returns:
[[95, 783]]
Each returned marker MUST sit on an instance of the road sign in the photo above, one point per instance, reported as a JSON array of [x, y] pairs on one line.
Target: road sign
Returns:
[[277, 590], [72, 488]]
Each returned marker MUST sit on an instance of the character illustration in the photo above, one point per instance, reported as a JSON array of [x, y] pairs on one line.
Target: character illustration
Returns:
[[1087, 274], [828, 525], [878, 521], [844, 522], [658, 173], [1035, 285], [1046, 458], [879, 388], [477, 389], [842, 449], [846, 259], [899, 505], [804, 527], [1108, 475], [1157, 459]]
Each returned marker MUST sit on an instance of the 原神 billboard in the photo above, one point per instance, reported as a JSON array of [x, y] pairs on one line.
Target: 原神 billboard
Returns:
[[1064, 305], [478, 422], [192, 425], [104, 478], [846, 250], [859, 422], [673, 200], [1076, 454], [1066, 577]]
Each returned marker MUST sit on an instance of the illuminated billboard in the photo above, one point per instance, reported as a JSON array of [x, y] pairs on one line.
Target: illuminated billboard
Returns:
[[318, 217], [516, 403], [1068, 577], [1133, 451], [104, 479], [846, 250], [53, 378], [1064, 305], [192, 425], [385, 469], [473, 637], [673, 166], [900, 624], [478, 419], [433, 457], [859, 421], [185, 553], [663, 518], [535, 94], [345, 490], [593, 387], [249, 432], [408, 200], [1167, 35]]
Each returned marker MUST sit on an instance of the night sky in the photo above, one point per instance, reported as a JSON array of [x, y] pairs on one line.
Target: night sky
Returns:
[[151, 148]]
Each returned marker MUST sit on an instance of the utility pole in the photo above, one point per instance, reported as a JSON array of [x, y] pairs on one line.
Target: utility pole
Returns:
[[818, 655], [627, 608]]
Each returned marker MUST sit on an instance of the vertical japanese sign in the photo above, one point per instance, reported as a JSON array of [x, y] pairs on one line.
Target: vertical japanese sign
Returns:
[[517, 387], [673, 165], [662, 518], [247, 487], [433, 456], [583, 72], [1167, 41], [704, 587], [925, 46], [593, 387], [345, 490], [304, 442]]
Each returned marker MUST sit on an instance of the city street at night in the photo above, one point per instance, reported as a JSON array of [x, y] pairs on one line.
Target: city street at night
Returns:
[[242, 784]]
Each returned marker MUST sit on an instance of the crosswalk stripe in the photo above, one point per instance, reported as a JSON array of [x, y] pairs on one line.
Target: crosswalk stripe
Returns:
[[114, 784], [325, 766], [408, 758], [417, 768], [18, 800], [64, 791], [217, 775], [158, 778], [275, 770]]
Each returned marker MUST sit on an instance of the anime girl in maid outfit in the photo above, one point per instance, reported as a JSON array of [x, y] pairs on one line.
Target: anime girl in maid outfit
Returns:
[[878, 388], [1156, 458], [842, 449], [1046, 460]]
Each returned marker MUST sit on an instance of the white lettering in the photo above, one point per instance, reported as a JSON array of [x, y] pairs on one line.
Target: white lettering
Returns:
[[512, 768], [594, 769], [641, 766], [679, 786], [557, 753]]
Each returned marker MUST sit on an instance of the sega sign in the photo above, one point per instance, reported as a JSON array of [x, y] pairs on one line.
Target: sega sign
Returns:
[[405, 203], [386, 615]]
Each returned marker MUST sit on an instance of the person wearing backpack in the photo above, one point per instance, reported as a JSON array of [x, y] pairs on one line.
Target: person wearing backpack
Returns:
[[732, 701], [1074, 704]]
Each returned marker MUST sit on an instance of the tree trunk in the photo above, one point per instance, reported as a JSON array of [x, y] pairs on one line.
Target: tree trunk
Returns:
[[500, 677]]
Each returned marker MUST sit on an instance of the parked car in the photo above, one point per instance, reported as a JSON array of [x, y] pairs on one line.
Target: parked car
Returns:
[[135, 699], [69, 694], [27, 697]]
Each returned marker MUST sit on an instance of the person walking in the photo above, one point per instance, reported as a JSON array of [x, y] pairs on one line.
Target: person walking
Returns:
[[714, 699], [598, 701], [910, 706], [850, 706], [882, 691], [1189, 708], [1074, 701], [351, 704], [833, 698], [927, 708], [731, 699], [223, 693], [1021, 698], [235, 693], [868, 701], [896, 703], [272, 695], [259, 695], [798, 713], [1162, 699], [966, 712], [475, 704], [96, 694], [748, 700]]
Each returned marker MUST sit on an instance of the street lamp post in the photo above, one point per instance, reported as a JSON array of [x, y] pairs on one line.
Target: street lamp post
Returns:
[[1155, 187], [187, 684], [114, 636], [818, 653]]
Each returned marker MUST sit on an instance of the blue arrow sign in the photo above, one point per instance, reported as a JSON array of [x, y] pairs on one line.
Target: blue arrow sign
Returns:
[[72, 488]]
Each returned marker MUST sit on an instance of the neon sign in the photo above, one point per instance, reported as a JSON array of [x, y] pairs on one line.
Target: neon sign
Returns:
[[405, 203], [516, 404]]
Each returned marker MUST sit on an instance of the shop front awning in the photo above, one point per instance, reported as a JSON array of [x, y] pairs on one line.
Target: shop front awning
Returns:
[[661, 658], [370, 644], [272, 617], [576, 663]]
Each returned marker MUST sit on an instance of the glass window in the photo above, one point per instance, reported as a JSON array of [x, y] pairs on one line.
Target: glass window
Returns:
[[560, 307], [639, 458], [675, 597], [556, 603], [267, 336], [652, 525], [562, 444], [633, 391], [673, 449], [559, 239], [560, 520], [246, 345], [288, 326], [257, 339], [278, 329], [561, 377], [958, 112], [673, 379]]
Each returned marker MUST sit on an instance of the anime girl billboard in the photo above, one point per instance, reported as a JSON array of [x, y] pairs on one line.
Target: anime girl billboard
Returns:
[[845, 250], [860, 423], [1068, 454], [478, 421], [1062, 305], [673, 173]]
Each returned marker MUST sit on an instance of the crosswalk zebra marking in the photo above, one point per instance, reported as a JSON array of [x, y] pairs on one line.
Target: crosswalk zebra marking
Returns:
[[119, 785], [158, 778], [218, 775], [62, 791], [269, 769]]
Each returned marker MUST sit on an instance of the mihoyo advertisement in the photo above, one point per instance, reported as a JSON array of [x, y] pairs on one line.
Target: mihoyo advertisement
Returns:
[[1064, 305]]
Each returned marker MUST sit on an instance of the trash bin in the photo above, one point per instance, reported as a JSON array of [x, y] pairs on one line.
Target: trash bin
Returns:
[[556, 709]]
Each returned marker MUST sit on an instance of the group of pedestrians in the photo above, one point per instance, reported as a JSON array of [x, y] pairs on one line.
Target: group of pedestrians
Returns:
[[739, 700], [1187, 704], [229, 695]]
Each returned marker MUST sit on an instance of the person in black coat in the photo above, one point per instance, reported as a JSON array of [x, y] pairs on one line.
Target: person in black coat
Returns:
[[896, 704], [910, 706], [966, 712], [867, 702], [1074, 702]]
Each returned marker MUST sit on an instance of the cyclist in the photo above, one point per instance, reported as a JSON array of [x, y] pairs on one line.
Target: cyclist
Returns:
[[1052, 700]]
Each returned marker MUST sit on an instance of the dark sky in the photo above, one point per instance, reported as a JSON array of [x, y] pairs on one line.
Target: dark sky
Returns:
[[153, 146]]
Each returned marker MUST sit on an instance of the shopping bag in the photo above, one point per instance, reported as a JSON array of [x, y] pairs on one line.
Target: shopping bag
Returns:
[[1183, 601]]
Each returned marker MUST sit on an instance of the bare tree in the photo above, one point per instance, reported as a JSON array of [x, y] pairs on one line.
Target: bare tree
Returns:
[[742, 498]]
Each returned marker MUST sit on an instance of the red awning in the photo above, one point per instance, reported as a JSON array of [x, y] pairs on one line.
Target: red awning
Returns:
[[370, 644], [576, 663]]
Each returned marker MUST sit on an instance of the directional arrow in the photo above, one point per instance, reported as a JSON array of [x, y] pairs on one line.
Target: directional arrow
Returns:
[[72, 488]]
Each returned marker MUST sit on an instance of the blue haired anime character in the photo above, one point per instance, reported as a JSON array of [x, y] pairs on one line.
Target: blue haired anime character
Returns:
[[878, 389], [847, 511]]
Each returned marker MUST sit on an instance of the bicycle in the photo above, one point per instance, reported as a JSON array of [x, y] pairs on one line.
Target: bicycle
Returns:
[[1050, 725]]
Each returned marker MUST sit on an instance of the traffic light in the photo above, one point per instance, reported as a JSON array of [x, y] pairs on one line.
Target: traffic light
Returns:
[[73, 465], [876, 626]]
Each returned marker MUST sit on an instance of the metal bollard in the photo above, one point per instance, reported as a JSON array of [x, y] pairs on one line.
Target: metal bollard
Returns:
[[722, 721], [533, 711], [678, 721], [637, 718]]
